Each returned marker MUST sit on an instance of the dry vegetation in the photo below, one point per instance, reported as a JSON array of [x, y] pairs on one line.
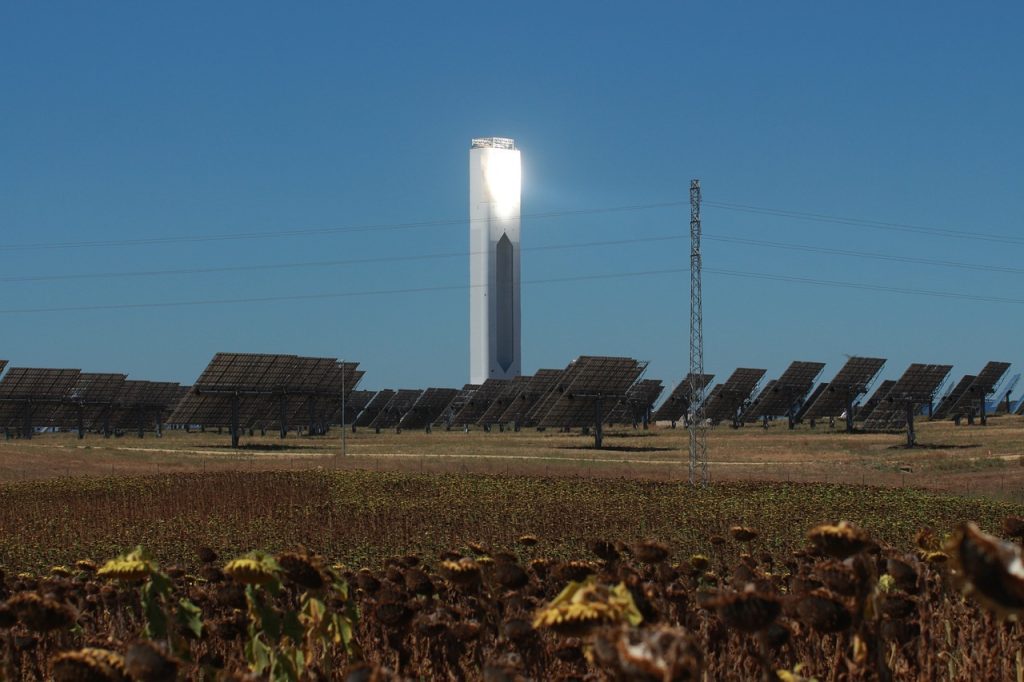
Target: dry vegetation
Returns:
[[962, 460], [505, 556], [397, 576]]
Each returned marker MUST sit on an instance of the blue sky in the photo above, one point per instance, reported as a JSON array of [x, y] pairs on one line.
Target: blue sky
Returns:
[[123, 121]]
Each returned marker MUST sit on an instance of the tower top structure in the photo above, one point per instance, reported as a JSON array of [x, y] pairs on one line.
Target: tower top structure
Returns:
[[493, 143]]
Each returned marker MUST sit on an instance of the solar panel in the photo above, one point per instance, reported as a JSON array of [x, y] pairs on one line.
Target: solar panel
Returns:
[[3, 364], [501, 402], [89, 402], [477, 405], [355, 402], [142, 405], [539, 385], [374, 407], [752, 411], [28, 394], [456, 405], [851, 382], [428, 407], [589, 384], [260, 389], [811, 399], [917, 386], [973, 398], [786, 394], [635, 407], [396, 408], [732, 396], [948, 401], [677, 404], [868, 407]]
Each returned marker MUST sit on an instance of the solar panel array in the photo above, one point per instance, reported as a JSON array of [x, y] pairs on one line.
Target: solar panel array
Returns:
[[868, 407], [917, 386], [28, 395], [951, 399], [396, 408], [811, 399], [373, 408], [355, 402], [639, 400], [142, 405], [478, 403], [90, 402], [428, 407], [586, 383], [980, 388], [264, 389], [493, 413], [787, 393], [728, 399], [851, 382], [522, 405], [677, 404], [456, 405]]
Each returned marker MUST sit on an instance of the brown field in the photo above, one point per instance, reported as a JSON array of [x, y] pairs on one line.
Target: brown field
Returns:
[[959, 459]]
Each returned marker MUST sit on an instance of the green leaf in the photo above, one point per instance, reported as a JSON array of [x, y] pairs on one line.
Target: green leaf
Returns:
[[190, 617]]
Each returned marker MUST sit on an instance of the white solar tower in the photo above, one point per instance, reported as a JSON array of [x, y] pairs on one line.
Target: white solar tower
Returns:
[[495, 180]]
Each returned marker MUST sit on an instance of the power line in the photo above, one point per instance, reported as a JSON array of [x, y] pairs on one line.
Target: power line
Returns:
[[185, 239], [551, 280], [860, 222], [326, 263], [551, 247], [861, 254], [743, 208]]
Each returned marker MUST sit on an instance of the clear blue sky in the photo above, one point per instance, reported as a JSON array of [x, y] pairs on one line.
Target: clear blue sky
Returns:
[[129, 121]]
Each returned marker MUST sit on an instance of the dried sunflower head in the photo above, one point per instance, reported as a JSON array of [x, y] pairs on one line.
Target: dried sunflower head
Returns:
[[465, 571], [743, 534], [132, 567], [841, 541], [574, 571], [650, 552], [93, 665], [86, 565], [255, 568], [700, 562], [302, 569], [747, 611], [527, 540], [989, 568], [823, 611], [41, 614], [581, 606], [60, 571]]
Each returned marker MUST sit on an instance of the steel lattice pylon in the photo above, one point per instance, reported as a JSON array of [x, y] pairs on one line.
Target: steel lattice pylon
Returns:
[[697, 425]]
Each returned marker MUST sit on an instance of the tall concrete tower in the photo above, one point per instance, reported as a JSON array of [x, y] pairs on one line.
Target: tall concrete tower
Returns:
[[495, 180]]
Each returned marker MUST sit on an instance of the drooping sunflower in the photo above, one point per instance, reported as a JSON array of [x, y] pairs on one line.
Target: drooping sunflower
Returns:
[[135, 566], [841, 541], [255, 568], [88, 664], [988, 568], [582, 606]]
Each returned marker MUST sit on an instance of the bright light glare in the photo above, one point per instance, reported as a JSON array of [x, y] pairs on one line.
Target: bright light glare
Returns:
[[504, 182]]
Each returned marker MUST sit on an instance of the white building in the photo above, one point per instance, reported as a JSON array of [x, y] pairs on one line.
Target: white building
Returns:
[[495, 180]]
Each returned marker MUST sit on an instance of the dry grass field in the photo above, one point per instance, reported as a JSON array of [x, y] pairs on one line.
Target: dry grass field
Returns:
[[972, 460]]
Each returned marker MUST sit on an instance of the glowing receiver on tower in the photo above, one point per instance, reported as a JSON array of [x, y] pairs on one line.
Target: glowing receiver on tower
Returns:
[[495, 185]]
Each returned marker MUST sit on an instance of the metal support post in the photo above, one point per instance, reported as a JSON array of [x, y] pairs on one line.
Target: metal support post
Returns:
[[234, 420], [911, 436], [598, 422]]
